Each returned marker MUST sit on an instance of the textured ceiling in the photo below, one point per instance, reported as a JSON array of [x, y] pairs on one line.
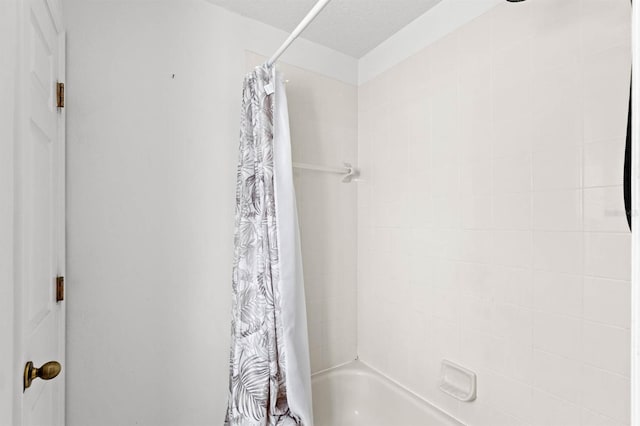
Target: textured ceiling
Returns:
[[353, 27]]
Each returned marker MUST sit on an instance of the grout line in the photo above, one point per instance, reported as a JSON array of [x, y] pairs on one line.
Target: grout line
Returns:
[[581, 362]]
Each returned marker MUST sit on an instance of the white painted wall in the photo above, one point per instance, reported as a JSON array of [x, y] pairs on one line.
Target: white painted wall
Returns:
[[491, 220], [151, 190], [8, 47]]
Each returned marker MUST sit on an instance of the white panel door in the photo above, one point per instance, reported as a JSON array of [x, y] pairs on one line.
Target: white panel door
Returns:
[[39, 210]]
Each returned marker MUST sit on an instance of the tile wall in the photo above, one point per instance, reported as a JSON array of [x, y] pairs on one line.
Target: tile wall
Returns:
[[491, 226]]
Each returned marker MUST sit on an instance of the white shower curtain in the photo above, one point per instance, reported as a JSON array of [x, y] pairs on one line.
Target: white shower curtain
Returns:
[[270, 382]]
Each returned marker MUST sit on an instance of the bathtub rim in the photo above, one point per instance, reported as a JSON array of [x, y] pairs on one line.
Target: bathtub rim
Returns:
[[361, 368]]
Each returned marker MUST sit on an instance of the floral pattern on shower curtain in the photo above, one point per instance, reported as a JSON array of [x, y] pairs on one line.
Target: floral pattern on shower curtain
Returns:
[[257, 382]]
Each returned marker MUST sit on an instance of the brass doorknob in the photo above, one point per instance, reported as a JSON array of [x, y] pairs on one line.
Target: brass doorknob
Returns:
[[48, 371]]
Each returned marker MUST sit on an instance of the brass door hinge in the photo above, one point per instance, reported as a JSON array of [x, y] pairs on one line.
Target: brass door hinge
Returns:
[[59, 289], [60, 95]]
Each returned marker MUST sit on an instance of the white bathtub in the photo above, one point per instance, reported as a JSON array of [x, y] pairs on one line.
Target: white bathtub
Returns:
[[356, 395]]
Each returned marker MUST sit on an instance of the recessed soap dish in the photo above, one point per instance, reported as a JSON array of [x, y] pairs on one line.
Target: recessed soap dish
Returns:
[[457, 381]]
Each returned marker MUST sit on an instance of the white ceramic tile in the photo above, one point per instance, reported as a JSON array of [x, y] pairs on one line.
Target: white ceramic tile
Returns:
[[419, 120], [445, 341], [481, 351], [591, 418], [446, 306], [445, 178], [550, 410], [604, 210], [608, 255], [313, 283], [558, 40], [517, 361], [512, 285], [339, 352], [419, 185], [606, 95], [476, 135], [550, 12], [606, 393], [558, 251], [443, 59], [398, 353], [481, 412], [477, 314], [316, 359], [557, 334], [420, 242], [607, 301], [512, 211], [558, 376], [390, 182], [366, 96], [512, 65], [474, 246], [444, 125], [420, 296], [559, 168], [513, 323], [603, 163], [512, 119], [407, 70], [315, 316], [446, 243], [420, 205], [557, 104], [474, 76], [512, 174], [513, 397], [390, 214], [390, 240], [512, 248], [511, 25], [444, 276], [558, 293], [606, 347], [605, 25], [560, 123], [560, 85], [475, 175], [473, 39], [422, 338], [418, 176], [476, 212], [557, 210], [446, 211], [417, 68], [475, 279]]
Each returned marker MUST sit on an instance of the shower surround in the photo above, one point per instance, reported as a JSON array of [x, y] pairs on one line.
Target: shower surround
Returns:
[[491, 220]]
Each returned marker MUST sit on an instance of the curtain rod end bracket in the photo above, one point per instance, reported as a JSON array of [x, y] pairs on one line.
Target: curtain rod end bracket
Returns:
[[352, 173]]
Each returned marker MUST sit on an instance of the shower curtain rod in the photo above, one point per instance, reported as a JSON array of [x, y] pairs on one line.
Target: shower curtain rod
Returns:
[[348, 171], [315, 11], [335, 170]]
